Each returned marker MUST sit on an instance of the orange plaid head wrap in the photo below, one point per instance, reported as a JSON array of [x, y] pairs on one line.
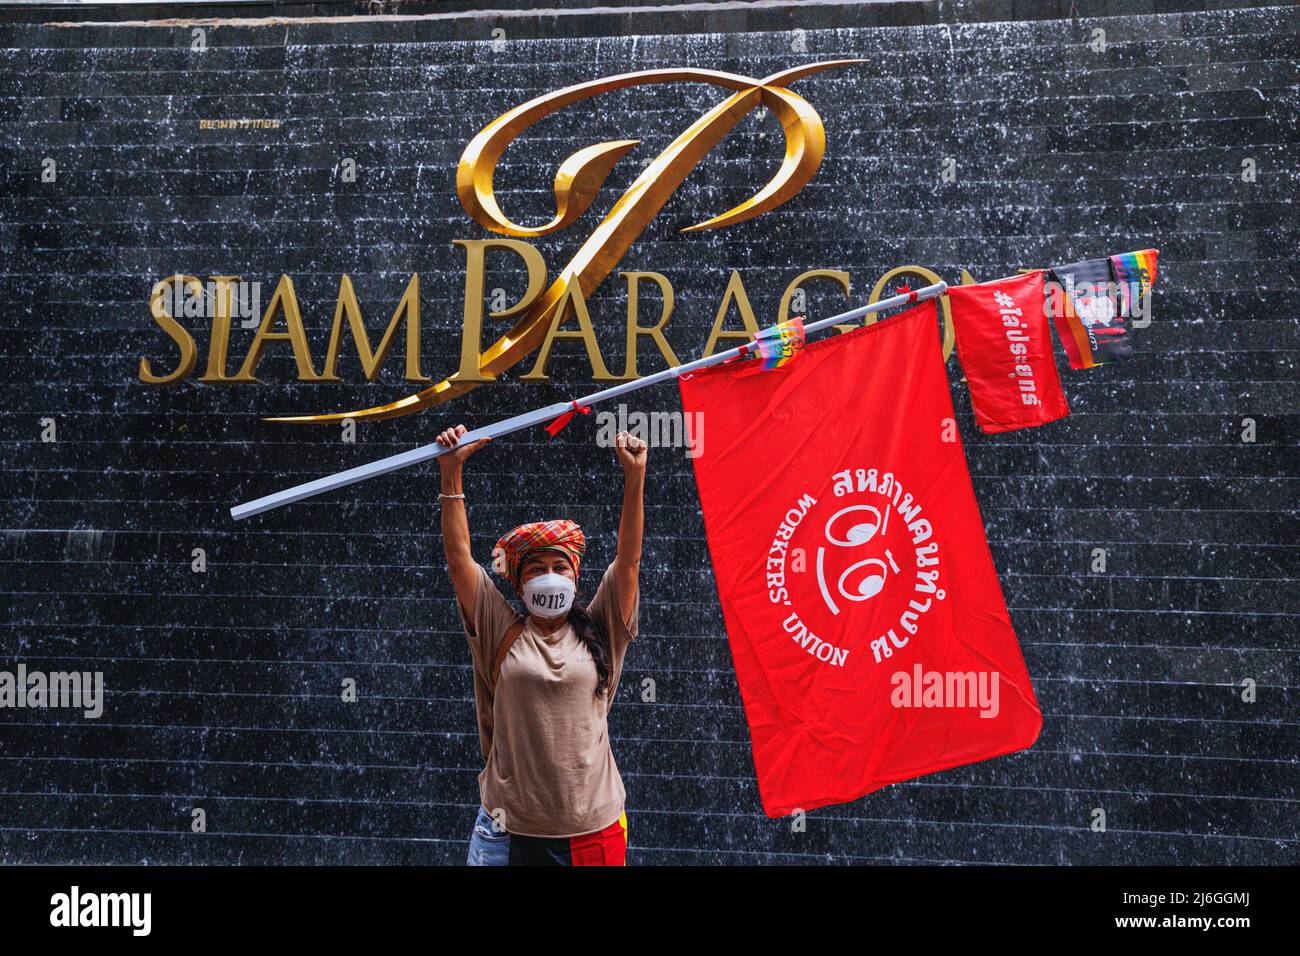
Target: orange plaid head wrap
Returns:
[[560, 535]]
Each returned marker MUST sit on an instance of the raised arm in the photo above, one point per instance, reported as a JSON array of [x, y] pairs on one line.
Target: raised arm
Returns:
[[631, 452], [455, 523]]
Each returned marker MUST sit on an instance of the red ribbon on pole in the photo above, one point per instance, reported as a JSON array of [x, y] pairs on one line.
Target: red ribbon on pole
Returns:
[[555, 427], [744, 353]]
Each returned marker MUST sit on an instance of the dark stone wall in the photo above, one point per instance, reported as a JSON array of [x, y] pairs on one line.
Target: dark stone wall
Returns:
[[224, 686]]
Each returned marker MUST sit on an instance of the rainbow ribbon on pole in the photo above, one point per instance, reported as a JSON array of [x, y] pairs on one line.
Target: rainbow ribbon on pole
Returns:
[[780, 344]]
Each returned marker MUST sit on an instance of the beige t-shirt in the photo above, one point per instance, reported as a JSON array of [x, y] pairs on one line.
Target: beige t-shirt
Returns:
[[544, 733]]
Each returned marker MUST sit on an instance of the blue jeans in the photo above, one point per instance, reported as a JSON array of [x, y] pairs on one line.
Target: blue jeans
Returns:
[[487, 847]]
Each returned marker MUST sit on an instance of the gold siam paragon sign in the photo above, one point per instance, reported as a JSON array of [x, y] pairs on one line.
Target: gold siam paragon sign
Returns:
[[543, 309]]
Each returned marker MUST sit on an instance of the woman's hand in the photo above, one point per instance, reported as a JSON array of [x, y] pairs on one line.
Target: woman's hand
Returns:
[[631, 451], [451, 439]]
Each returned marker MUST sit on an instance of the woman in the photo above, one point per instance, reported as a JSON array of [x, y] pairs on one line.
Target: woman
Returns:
[[551, 793]]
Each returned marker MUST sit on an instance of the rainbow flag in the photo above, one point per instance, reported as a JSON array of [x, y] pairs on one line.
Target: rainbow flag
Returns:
[[780, 344], [1135, 274]]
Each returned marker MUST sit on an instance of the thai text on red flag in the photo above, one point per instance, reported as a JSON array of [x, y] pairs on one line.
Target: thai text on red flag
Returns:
[[1005, 348]]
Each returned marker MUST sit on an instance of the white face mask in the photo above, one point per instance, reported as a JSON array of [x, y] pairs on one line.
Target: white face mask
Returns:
[[548, 595]]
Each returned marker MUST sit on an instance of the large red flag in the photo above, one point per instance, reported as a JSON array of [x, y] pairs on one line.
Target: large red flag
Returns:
[[871, 640]]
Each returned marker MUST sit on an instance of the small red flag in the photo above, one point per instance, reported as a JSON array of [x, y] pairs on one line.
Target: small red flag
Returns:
[[1005, 347], [868, 629]]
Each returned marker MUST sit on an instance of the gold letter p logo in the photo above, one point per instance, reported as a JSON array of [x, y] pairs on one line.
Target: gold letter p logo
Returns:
[[579, 179]]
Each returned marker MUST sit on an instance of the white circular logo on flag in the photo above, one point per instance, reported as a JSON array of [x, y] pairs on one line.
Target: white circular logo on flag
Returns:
[[866, 568]]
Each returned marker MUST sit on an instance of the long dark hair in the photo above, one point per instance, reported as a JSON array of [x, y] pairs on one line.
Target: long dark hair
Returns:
[[592, 633]]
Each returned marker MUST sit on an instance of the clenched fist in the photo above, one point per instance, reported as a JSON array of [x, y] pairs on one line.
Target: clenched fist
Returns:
[[631, 451]]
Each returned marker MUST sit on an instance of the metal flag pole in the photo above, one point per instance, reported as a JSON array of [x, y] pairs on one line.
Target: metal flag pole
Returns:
[[540, 415]]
